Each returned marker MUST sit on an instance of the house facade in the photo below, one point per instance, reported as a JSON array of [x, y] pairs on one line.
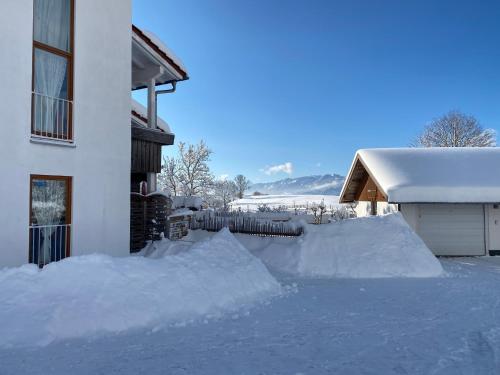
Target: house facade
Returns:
[[67, 72], [449, 196]]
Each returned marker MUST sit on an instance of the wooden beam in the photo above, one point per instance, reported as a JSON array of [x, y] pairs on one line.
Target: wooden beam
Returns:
[[152, 135]]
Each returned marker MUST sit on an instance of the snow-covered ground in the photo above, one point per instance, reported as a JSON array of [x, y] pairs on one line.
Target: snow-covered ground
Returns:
[[253, 202], [93, 295], [206, 306], [436, 326]]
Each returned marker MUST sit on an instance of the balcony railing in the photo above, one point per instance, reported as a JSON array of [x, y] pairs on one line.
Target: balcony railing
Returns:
[[49, 243], [52, 118]]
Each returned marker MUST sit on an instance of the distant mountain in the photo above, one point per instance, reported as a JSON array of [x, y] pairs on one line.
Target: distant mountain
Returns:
[[326, 184]]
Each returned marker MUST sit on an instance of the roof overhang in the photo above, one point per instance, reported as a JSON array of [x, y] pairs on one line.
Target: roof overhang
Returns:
[[152, 135], [150, 61], [356, 180]]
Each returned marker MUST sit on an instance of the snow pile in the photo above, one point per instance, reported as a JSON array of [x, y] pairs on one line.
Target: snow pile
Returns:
[[95, 294], [181, 201], [372, 247]]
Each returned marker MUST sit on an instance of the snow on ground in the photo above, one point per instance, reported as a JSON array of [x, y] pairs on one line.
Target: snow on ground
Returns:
[[91, 295], [253, 202], [370, 247], [418, 326]]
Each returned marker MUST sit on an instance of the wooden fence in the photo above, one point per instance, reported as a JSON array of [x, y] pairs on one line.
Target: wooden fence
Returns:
[[148, 218], [241, 223]]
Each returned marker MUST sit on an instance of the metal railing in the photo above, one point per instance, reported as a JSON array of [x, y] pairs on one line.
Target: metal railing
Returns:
[[49, 243], [51, 117]]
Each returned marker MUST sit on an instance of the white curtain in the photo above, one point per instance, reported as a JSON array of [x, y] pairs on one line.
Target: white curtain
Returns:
[[51, 27], [52, 23], [50, 75], [49, 208]]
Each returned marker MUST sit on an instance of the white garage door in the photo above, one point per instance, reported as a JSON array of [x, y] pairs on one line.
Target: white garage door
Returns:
[[452, 229]]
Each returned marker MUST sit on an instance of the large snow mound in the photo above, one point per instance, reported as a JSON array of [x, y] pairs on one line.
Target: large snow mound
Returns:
[[96, 294], [371, 247]]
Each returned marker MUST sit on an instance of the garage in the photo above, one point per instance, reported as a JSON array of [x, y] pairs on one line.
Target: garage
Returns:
[[450, 196], [452, 229]]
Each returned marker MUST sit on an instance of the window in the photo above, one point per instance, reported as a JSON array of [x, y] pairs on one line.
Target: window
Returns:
[[52, 102], [50, 218]]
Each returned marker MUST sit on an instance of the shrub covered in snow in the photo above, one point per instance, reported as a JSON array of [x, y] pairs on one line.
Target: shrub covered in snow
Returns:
[[88, 295]]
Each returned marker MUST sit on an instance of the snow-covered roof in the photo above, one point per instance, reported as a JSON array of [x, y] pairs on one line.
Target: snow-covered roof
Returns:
[[448, 175], [140, 115], [163, 47], [152, 42]]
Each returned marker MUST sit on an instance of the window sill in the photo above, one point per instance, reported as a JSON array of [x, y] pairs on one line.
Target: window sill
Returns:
[[53, 142]]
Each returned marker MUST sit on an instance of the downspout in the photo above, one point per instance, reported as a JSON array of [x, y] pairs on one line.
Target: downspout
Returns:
[[152, 115], [153, 118]]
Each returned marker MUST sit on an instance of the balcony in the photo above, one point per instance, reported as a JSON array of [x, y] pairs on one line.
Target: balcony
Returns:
[[49, 243], [52, 118]]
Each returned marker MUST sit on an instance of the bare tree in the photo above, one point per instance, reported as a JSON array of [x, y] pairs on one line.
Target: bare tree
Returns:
[[242, 184], [194, 173], [224, 192], [456, 129], [169, 176]]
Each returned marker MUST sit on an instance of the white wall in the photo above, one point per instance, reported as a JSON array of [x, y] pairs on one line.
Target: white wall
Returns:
[[100, 162], [410, 212]]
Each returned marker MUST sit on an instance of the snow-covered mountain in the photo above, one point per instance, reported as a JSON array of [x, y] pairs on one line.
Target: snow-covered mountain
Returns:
[[324, 184]]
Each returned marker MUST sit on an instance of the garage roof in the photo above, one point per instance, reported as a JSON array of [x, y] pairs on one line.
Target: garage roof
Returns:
[[430, 175]]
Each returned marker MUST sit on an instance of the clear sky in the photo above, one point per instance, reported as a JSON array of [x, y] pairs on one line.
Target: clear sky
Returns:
[[310, 82]]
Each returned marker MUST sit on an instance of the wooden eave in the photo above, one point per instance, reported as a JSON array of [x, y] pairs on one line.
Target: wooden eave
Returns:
[[358, 182], [152, 135]]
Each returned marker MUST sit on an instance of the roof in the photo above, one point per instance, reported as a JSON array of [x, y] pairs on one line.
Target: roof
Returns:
[[153, 46], [140, 115], [430, 175]]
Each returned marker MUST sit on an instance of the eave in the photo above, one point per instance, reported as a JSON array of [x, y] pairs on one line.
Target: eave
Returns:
[[152, 135], [358, 176]]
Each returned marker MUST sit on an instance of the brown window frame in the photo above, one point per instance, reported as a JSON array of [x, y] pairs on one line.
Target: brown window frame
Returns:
[[69, 207], [69, 55]]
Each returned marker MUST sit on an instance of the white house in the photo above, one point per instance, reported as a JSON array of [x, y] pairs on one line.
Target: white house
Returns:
[[449, 196], [65, 152]]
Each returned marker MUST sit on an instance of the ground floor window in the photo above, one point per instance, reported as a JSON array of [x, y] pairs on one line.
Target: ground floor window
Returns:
[[50, 218]]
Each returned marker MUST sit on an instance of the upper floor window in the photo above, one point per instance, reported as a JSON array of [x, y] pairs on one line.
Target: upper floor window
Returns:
[[52, 107]]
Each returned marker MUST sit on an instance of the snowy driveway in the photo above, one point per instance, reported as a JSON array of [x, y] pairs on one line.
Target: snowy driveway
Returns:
[[447, 325]]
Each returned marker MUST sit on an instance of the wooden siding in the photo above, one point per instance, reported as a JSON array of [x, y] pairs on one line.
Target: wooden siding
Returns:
[[146, 156], [370, 192], [358, 183], [148, 219]]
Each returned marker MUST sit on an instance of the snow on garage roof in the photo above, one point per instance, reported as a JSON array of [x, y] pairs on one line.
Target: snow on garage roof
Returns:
[[448, 175], [140, 114]]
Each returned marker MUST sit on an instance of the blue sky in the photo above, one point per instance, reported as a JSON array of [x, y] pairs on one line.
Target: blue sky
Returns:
[[310, 82]]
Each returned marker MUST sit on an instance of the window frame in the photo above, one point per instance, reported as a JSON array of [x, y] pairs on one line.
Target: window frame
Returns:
[[69, 206], [69, 55]]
